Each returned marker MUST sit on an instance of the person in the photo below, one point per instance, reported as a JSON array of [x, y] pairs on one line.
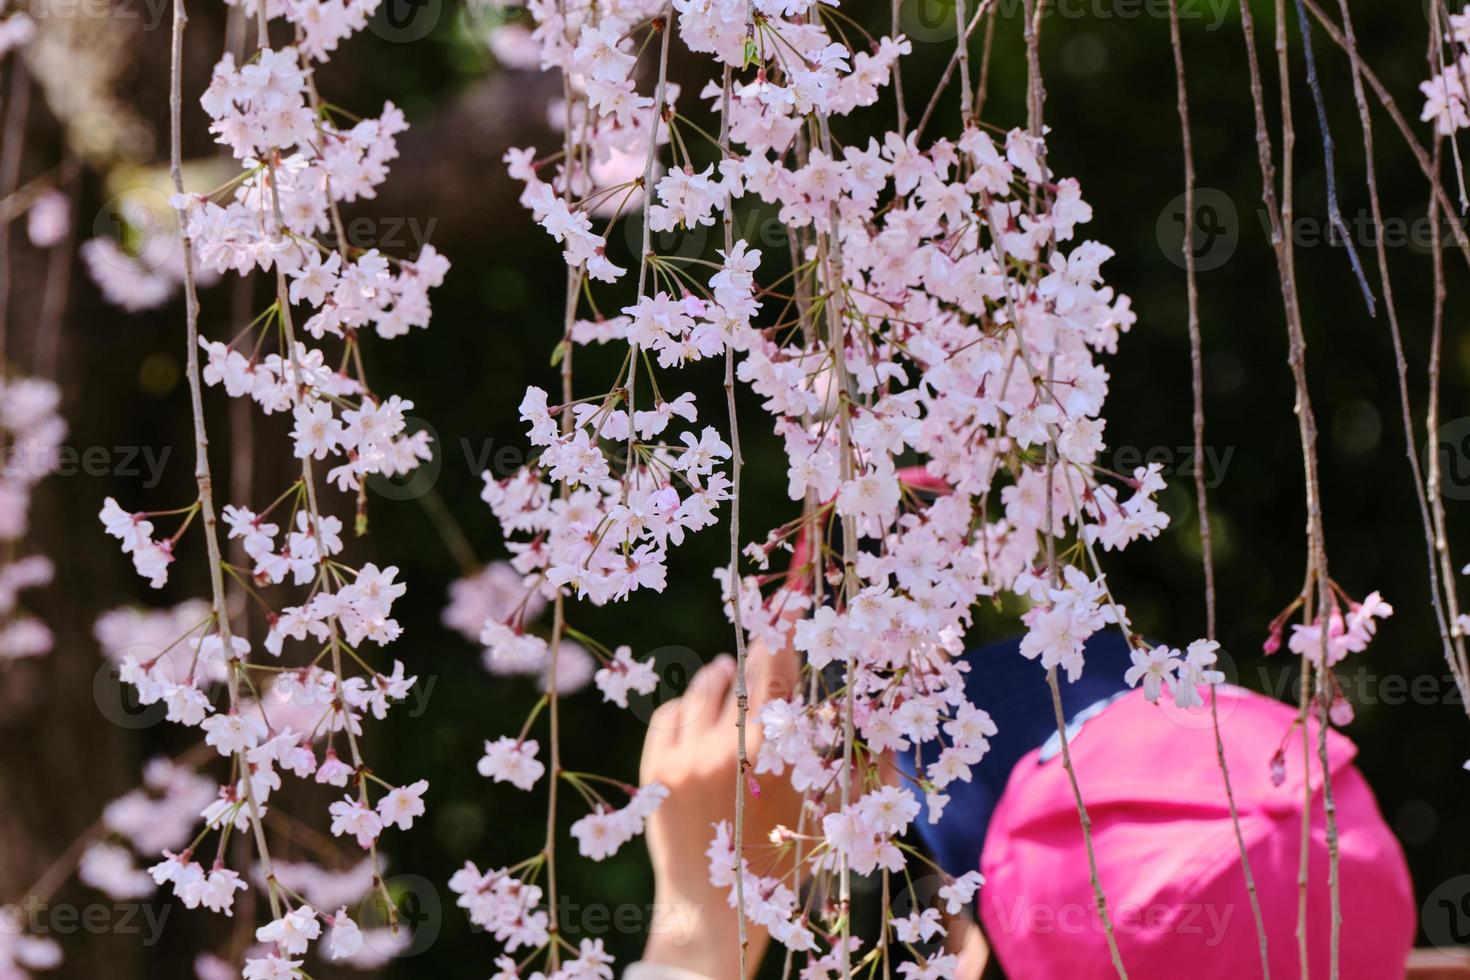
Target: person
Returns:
[[1163, 840]]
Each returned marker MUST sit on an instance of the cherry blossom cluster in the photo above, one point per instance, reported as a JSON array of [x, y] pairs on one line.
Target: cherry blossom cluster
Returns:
[[294, 703], [605, 540], [1446, 95], [967, 336], [1351, 626], [348, 941], [930, 354], [631, 488], [934, 310], [174, 658], [1183, 673], [1349, 633], [503, 901], [16, 31], [31, 433]]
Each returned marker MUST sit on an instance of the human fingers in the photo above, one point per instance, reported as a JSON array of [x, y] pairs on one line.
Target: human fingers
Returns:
[[769, 676], [701, 704]]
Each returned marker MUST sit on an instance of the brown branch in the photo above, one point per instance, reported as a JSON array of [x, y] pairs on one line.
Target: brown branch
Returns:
[[982, 90], [895, 8], [1279, 217], [1452, 656], [830, 262], [1439, 27], [54, 295], [954, 61], [1402, 124], [1207, 559], [202, 476], [1329, 165], [742, 695], [962, 55], [10, 159], [1440, 541]]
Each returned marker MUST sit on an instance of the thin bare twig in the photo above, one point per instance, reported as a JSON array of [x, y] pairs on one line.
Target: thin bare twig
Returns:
[[983, 88], [830, 261], [1316, 542], [666, 28], [1452, 656], [1279, 216], [1207, 559], [1462, 238], [1439, 29], [1334, 210], [895, 9], [202, 478], [1431, 424], [742, 695], [11, 152], [54, 295], [954, 61], [1442, 566], [962, 55]]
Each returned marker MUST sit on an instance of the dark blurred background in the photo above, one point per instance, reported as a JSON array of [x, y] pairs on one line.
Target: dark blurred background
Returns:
[[1111, 106]]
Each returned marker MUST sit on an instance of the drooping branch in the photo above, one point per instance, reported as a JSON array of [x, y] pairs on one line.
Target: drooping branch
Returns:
[[1386, 100], [742, 694], [1454, 651], [1442, 565], [1280, 216], [1202, 509], [218, 600], [12, 147], [1329, 166], [949, 68]]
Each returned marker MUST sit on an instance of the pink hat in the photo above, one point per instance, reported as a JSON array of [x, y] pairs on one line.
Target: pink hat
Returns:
[[1168, 859]]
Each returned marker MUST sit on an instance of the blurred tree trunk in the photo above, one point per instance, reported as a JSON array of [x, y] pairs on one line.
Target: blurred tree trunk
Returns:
[[61, 759]]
